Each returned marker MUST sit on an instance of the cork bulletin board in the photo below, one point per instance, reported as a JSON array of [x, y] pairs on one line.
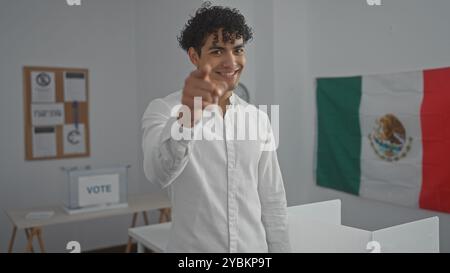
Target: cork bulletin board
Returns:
[[56, 112]]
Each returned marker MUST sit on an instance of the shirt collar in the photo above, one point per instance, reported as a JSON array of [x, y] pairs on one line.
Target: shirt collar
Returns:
[[233, 99]]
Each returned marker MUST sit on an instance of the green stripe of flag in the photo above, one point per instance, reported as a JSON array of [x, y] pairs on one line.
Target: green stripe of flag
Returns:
[[339, 133]]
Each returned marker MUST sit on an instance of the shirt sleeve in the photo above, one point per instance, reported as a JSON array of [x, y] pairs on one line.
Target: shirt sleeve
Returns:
[[273, 198], [164, 157]]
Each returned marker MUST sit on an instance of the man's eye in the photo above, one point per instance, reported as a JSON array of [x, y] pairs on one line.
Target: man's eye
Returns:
[[216, 52], [239, 51]]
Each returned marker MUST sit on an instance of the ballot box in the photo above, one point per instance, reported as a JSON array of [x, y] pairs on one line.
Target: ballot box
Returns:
[[92, 189]]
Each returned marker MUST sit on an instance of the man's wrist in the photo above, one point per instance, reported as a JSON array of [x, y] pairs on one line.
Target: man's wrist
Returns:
[[186, 122]]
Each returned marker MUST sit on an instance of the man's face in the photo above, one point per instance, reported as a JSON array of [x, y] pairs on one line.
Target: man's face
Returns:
[[227, 60]]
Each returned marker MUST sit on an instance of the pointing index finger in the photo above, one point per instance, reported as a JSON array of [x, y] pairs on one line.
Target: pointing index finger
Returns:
[[203, 72]]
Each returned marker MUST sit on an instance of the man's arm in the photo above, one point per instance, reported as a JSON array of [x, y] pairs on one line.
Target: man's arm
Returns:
[[273, 199], [164, 157]]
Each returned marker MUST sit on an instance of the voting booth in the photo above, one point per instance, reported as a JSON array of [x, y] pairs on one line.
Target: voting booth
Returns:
[[96, 189], [317, 228]]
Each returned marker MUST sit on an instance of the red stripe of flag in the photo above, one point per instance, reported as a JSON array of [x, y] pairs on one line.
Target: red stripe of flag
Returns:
[[435, 122]]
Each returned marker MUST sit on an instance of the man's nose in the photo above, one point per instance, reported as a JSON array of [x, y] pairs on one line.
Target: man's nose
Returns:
[[229, 60]]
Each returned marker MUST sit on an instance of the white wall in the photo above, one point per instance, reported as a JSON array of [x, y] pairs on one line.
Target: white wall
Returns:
[[99, 35], [291, 93], [263, 49], [347, 37]]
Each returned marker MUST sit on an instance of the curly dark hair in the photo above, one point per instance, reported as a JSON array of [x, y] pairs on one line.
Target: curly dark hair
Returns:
[[208, 20]]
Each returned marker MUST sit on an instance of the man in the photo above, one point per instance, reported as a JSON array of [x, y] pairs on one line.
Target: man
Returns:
[[227, 195]]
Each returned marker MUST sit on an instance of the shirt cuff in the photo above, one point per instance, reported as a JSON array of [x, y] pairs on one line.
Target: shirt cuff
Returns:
[[177, 139]]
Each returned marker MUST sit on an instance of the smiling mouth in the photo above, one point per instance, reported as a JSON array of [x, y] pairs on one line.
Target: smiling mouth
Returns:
[[228, 75]]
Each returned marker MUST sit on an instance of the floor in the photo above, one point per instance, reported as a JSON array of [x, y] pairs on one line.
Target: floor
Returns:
[[116, 249]]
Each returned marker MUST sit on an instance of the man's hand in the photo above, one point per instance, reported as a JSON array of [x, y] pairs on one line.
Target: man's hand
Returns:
[[199, 84]]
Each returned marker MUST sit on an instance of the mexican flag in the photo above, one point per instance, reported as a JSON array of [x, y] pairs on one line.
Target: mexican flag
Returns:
[[386, 137]]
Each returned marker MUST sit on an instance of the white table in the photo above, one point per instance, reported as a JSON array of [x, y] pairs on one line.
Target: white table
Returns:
[[33, 228], [153, 237]]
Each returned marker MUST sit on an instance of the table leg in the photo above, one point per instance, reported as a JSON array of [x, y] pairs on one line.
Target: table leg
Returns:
[[145, 218], [164, 215], [11, 242], [41, 242], [133, 224], [161, 216], [30, 234]]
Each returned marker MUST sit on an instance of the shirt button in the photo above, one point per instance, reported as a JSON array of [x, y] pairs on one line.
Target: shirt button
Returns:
[[232, 164]]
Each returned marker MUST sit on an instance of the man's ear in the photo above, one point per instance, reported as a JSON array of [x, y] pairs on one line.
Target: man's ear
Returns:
[[193, 56]]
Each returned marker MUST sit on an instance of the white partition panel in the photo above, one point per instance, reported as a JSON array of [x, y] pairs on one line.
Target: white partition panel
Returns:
[[327, 211], [308, 235], [418, 236]]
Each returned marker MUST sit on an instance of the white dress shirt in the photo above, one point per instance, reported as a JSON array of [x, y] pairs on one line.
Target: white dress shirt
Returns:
[[227, 194]]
